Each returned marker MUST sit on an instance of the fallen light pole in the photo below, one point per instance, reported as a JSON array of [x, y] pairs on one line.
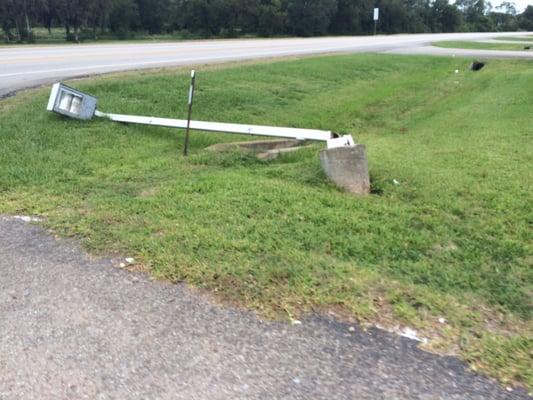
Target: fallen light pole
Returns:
[[75, 104], [347, 166]]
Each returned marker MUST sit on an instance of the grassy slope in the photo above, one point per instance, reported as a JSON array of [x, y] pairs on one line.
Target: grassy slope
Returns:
[[452, 240], [480, 45]]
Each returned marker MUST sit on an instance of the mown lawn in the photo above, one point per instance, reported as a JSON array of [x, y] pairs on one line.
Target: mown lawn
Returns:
[[452, 240], [482, 45], [524, 38]]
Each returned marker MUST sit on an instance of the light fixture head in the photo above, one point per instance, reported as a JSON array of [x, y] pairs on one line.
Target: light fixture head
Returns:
[[70, 102]]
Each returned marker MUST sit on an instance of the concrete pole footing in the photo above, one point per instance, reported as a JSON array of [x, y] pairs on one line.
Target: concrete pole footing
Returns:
[[347, 167]]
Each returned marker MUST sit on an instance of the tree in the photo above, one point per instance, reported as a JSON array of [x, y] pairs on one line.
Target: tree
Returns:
[[526, 19], [310, 17], [393, 17], [419, 15], [243, 16], [98, 15], [231, 18], [272, 18], [352, 16], [197, 16], [507, 8], [451, 19], [445, 17], [6, 19], [19, 15], [74, 14], [474, 12], [123, 17], [505, 18], [48, 13], [154, 15]]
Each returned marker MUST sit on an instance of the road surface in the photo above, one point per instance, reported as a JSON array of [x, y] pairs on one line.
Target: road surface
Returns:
[[26, 66], [75, 327]]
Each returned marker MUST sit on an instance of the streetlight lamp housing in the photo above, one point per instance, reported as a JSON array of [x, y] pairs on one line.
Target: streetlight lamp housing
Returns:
[[72, 103]]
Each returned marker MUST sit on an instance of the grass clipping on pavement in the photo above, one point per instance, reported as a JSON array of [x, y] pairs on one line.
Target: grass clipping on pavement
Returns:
[[443, 245]]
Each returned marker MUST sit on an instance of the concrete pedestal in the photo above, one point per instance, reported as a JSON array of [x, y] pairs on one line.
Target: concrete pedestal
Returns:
[[347, 167]]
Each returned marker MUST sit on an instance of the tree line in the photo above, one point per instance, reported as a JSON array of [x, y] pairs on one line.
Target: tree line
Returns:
[[84, 19]]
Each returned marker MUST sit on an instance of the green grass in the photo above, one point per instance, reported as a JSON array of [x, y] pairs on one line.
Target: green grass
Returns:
[[480, 45], [452, 240], [41, 36], [525, 38]]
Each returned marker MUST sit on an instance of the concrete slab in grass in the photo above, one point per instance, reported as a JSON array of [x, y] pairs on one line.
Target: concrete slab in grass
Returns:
[[347, 167]]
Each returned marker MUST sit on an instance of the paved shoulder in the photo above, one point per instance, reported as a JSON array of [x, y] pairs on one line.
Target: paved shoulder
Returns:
[[75, 327]]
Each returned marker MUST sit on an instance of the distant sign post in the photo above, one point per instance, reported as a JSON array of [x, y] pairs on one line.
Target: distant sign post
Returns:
[[376, 18]]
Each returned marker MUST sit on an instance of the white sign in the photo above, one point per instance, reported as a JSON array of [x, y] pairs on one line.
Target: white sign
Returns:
[[376, 14]]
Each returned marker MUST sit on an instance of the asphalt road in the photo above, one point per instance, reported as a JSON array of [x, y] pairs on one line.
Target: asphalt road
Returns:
[[74, 327], [26, 66]]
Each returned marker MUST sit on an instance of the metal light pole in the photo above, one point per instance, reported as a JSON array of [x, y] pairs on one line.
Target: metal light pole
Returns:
[[191, 99], [73, 103]]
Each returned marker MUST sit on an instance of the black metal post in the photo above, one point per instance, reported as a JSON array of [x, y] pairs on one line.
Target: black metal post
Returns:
[[191, 99]]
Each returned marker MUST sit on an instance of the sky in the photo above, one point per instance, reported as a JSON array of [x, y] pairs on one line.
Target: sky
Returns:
[[520, 4]]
